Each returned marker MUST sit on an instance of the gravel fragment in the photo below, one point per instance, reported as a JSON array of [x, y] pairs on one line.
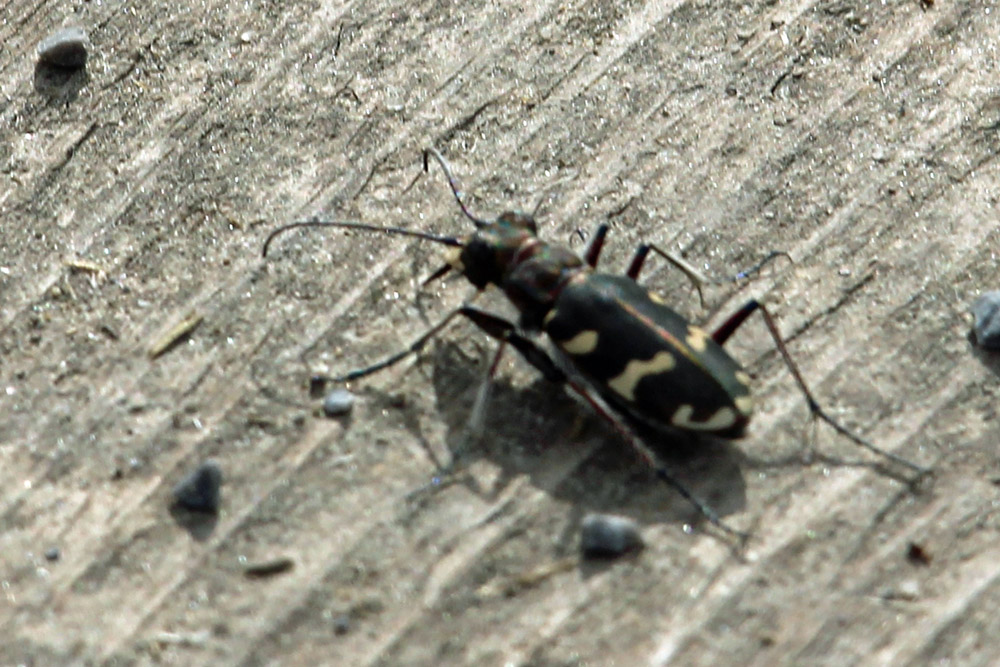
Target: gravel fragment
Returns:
[[52, 554], [607, 535], [342, 624], [64, 48], [269, 568], [986, 320], [917, 554], [338, 402], [200, 490]]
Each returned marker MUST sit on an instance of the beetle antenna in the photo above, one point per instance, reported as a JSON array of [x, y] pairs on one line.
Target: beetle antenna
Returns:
[[425, 236], [478, 222]]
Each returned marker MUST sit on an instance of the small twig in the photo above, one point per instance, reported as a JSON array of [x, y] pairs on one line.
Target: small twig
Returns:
[[176, 333]]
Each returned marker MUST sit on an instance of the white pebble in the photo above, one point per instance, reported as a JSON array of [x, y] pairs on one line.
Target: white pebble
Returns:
[[338, 402]]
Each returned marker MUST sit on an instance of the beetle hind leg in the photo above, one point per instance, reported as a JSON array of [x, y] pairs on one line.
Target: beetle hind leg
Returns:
[[506, 331], [729, 327], [661, 470]]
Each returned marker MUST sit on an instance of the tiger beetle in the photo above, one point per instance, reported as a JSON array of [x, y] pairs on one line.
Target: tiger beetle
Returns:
[[617, 345]]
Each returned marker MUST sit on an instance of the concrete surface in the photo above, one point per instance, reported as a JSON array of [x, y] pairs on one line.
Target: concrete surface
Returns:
[[860, 137]]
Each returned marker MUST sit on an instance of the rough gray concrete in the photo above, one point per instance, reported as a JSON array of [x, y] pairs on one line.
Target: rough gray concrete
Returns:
[[135, 195]]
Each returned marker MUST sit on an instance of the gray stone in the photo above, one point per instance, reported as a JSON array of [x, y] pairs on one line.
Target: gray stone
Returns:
[[64, 48], [986, 320], [200, 491], [607, 535]]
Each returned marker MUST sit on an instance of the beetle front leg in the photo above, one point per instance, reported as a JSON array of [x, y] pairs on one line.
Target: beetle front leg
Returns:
[[595, 247], [318, 382]]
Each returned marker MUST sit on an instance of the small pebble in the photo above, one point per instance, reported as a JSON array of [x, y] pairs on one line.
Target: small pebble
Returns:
[[64, 48], [986, 320], [200, 490], [342, 624], [908, 590], [338, 402], [607, 535], [917, 554], [52, 554]]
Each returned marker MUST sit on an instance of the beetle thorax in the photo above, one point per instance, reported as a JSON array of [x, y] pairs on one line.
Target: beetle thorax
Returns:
[[535, 278]]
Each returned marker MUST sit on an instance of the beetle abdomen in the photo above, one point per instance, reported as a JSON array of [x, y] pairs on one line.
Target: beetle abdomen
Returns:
[[646, 358]]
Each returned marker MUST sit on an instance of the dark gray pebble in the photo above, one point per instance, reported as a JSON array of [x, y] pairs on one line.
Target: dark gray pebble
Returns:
[[986, 320], [607, 535], [338, 402], [342, 624], [269, 568], [64, 48], [200, 490], [52, 554]]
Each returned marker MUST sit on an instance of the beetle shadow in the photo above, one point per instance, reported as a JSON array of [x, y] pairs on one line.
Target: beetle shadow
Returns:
[[536, 430]]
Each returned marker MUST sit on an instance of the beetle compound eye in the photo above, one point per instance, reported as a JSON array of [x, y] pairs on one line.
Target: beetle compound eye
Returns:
[[479, 263]]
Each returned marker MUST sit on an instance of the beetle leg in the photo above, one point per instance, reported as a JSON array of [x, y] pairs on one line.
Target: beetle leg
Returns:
[[727, 329], [642, 252], [661, 471], [696, 276], [493, 325], [473, 427], [596, 244], [318, 381], [477, 416], [730, 326], [506, 331]]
